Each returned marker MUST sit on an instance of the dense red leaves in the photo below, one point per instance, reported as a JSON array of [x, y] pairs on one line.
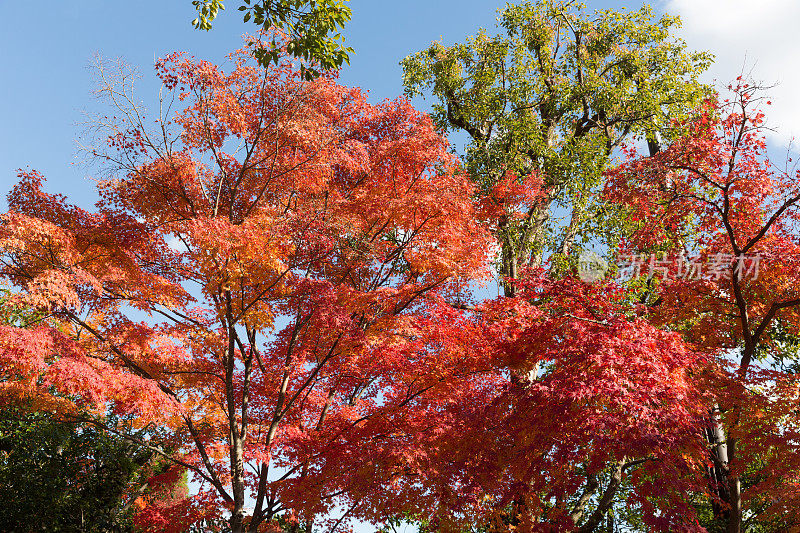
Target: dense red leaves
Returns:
[[716, 195], [278, 249], [612, 390], [167, 506], [511, 197]]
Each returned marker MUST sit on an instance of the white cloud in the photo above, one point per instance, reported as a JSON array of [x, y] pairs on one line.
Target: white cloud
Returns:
[[760, 38]]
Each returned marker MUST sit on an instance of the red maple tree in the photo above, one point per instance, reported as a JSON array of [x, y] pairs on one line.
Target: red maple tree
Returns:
[[615, 403], [242, 280], [716, 197]]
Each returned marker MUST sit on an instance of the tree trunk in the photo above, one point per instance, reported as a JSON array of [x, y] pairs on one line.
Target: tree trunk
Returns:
[[718, 471], [237, 481], [735, 494], [727, 487], [237, 519], [606, 500]]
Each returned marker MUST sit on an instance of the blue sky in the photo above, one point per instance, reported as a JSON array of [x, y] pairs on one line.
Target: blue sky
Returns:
[[46, 83]]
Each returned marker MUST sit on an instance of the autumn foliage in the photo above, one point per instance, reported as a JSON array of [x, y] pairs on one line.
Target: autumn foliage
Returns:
[[280, 277], [715, 195], [238, 278]]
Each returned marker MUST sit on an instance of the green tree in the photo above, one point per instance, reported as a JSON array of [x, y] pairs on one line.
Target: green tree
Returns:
[[311, 28], [553, 96], [546, 105], [61, 477]]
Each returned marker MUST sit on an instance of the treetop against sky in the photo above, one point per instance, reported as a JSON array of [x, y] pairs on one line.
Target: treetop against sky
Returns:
[[305, 252], [46, 83]]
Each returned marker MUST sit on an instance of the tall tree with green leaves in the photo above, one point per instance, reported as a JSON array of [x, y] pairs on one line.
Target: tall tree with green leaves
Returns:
[[545, 105], [312, 30], [546, 102]]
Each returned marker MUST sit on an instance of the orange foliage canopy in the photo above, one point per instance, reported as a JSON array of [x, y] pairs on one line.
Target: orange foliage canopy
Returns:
[[716, 197], [236, 281], [279, 286]]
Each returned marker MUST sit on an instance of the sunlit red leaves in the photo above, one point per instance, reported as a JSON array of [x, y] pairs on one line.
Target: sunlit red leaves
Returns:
[[611, 388], [52, 370], [715, 193], [286, 204], [512, 196]]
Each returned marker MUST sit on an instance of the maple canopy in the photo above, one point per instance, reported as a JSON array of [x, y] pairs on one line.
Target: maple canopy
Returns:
[[278, 287], [715, 197], [613, 396], [237, 282]]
